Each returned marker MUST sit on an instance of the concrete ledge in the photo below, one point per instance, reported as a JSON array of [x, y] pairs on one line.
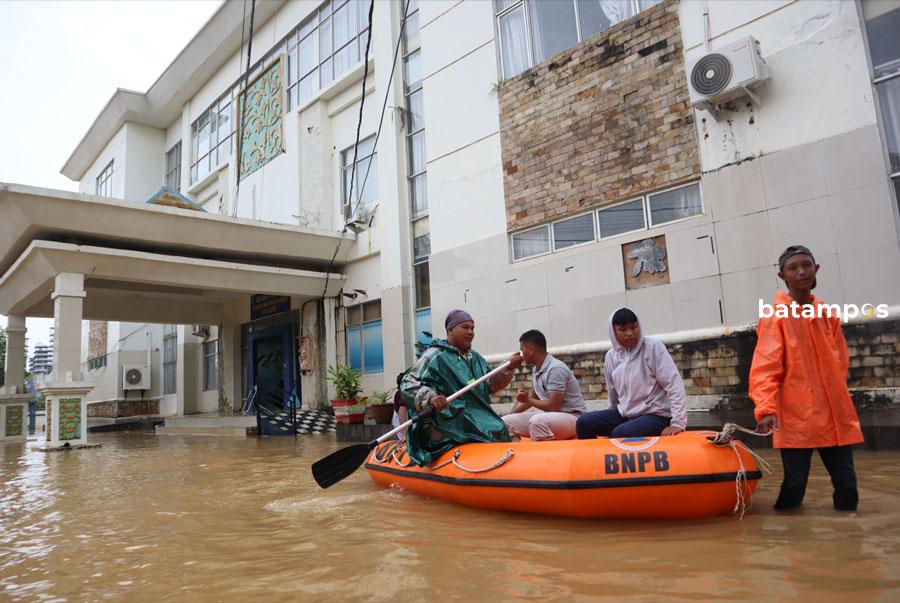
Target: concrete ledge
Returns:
[[360, 432], [135, 423]]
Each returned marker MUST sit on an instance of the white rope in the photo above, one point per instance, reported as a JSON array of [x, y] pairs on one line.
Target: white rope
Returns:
[[726, 438], [509, 454]]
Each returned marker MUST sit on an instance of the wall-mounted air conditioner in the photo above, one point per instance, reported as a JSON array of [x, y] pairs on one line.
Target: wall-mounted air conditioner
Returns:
[[200, 331], [135, 376], [726, 74]]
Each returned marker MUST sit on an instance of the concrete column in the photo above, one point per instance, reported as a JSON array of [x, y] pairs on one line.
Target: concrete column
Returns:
[[68, 305], [15, 355], [13, 399], [66, 394], [330, 340]]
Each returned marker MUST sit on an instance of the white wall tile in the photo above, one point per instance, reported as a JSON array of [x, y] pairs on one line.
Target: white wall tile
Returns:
[[695, 303], [853, 160], [692, 253], [733, 191], [590, 274], [741, 292], [793, 175], [863, 218], [653, 305], [745, 243], [808, 223]]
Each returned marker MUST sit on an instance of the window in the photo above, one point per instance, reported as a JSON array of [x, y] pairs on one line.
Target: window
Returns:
[[573, 231], [210, 365], [674, 205], [882, 25], [365, 179], [173, 166], [365, 351], [424, 333], [324, 47], [96, 363], [614, 220], [170, 358], [104, 181], [533, 30], [622, 218], [531, 243], [211, 136]]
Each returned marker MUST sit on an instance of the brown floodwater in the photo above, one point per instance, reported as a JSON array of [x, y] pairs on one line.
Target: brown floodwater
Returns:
[[169, 518]]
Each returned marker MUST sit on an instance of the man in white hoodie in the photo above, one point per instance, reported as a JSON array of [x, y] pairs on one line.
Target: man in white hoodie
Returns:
[[646, 393]]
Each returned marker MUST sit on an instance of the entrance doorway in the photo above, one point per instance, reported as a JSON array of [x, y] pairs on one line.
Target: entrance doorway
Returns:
[[271, 365]]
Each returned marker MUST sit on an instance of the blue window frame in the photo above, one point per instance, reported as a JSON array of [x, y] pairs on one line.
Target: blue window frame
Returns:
[[365, 344], [424, 333]]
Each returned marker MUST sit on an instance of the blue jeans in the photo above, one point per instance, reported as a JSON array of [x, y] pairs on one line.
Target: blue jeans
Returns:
[[611, 423]]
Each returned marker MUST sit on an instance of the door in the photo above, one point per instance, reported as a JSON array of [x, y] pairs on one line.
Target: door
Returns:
[[271, 361]]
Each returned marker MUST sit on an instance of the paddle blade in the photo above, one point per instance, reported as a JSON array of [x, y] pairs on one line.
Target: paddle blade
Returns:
[[338, 465]]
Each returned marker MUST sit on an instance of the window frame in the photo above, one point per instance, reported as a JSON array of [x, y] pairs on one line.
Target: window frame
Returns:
[[175, 172], [348, 206], [645, 226], [645, 205], [212, 114], [170, 333], [103, 183], [527, 18], [211, 381], [360, 326]]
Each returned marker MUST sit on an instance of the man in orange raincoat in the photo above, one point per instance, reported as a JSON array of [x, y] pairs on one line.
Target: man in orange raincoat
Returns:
[[798, 382]]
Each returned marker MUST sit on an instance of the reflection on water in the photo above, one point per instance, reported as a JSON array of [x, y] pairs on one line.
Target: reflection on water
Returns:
[[178, 518]]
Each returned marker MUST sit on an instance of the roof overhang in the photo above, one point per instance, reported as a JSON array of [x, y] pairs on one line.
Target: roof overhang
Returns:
[[147, 287], [30, 213], [203, 56]]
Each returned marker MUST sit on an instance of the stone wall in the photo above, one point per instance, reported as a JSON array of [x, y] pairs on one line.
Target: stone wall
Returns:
[[601, 122], [123, 408]]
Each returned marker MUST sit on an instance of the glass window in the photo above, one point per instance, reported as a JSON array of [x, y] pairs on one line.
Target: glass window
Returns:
[[363, 180], [365, 349], [531, 243], [883, 32], [622, 218], [675, 204], [889, 100], [211, 136], [514, 42], [573, 231], [421, 240], [413, 70], [418, 191], [422, 274], [170, 358], [417, 153], [104, 181], [415, 111], [552, 28], [424, 333], [173, 166], [211, 365]]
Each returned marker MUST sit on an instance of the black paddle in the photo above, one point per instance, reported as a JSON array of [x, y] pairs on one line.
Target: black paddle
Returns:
[[338, 465]]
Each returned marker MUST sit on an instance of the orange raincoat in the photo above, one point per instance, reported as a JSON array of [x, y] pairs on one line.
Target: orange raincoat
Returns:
[[799, 374]]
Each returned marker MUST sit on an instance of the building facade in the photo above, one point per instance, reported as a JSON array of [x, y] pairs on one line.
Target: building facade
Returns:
[[538, 164]]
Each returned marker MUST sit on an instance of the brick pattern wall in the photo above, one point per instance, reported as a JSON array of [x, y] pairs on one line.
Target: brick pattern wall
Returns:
[[598, 123], [123, 408], [721, 367]]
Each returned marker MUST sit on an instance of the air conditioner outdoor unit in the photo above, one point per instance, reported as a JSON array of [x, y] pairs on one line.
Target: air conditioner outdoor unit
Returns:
[[726, 74], [200, 331], [135, 376]]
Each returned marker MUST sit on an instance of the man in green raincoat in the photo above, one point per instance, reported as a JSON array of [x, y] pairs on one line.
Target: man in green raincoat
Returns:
[[446, 367]]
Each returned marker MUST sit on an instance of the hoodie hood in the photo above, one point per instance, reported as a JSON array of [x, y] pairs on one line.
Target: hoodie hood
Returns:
[[618, 347]]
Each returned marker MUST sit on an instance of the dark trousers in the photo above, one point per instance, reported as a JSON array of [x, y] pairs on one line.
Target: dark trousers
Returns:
[[839, 462], [610, 423]]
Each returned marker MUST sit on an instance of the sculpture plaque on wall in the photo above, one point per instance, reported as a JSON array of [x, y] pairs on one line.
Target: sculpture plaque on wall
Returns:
[[260, 120]]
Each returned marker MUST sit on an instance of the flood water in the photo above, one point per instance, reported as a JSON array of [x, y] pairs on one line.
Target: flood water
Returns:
[[171, 518]]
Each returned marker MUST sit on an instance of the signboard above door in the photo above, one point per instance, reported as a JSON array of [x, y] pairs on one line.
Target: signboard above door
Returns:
[[263, 306]]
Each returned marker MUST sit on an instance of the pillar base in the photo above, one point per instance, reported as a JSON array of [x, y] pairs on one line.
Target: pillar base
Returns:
[[66, 414], [14, 417]]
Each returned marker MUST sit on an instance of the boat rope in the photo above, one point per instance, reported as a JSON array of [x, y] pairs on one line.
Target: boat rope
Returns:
[[453, 459], [726, 438]]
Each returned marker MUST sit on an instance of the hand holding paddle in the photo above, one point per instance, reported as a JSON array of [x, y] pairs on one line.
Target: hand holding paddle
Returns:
[[338, 465]]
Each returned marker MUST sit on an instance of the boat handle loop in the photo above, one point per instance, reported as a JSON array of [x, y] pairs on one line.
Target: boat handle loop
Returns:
[[509, 454]]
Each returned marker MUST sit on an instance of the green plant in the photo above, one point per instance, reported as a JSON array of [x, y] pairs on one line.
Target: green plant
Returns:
[[378, 397], [346, 381]]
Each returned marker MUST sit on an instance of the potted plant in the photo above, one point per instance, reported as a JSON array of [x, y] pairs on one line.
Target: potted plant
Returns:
[[379, 408], [346, 380]]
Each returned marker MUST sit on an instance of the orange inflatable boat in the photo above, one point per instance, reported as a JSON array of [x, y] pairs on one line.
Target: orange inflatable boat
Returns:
[[679, 476]]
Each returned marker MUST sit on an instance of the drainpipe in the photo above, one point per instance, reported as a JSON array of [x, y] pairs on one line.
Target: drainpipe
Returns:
[[706, 44]]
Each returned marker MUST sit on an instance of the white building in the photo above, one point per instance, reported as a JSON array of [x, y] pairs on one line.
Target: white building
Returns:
[[524, 147]]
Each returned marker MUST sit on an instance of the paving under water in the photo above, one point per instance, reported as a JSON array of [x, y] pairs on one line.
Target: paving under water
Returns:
[[159, 518]]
